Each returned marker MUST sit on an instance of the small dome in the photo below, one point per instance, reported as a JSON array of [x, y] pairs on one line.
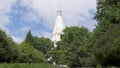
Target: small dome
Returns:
[[59, 12]]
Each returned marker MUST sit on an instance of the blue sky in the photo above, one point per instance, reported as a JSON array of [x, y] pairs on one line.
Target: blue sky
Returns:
[[19, 16]]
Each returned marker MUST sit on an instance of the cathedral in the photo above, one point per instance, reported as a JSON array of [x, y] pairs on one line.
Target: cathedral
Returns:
[[58, 28]]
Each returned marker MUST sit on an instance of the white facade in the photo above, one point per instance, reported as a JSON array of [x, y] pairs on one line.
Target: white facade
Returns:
[[58, 28]]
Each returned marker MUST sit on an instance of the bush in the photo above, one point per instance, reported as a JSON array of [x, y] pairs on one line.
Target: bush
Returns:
[[28, 54]]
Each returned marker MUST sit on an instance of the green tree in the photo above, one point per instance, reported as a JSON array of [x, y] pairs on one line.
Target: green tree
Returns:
[[2, 45], [108, 17], [43, 44], [108, 13], [29, 37], [73, 46], [8, 48], [106, 48], [28, 54]]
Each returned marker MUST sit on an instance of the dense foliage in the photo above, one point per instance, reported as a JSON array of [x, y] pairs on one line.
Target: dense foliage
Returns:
[[106, 42], [73, 46], [108, 13], [42, 44], [29, 37], [8, 49], [32, 50], [106, 48], [28, 54]]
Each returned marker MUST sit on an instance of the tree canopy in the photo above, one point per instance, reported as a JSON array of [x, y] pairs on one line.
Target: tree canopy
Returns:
[[7, 48], [42, 44], [108, 13], [73, 46], [106, 43], [28, 54], [106, 48]]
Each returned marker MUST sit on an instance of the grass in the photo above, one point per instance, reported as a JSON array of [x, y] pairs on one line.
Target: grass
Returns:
[[27, 65]]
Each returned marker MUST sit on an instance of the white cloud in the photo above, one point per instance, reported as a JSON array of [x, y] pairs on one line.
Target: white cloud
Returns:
[[46, 34], [5, 9], [75, 12], [17, 40], [72, 9]]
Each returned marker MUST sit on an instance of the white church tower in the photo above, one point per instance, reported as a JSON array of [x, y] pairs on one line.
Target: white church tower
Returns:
[[58, 28]]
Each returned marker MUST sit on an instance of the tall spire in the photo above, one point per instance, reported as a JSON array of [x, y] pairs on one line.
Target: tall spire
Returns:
[[58, 28]]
